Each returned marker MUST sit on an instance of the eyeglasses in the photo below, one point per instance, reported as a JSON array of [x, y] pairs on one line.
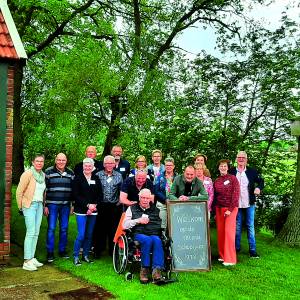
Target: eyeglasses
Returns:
[[241, 157], [141, 161]]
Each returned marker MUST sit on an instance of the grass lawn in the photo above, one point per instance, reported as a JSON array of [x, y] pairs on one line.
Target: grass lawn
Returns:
[[276, 275]]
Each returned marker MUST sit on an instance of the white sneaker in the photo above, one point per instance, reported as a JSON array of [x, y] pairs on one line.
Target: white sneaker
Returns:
[[29, 266], [37, 263], [227, 264]]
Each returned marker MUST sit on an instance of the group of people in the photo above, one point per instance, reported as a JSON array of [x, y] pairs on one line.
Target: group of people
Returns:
[[97, 192]]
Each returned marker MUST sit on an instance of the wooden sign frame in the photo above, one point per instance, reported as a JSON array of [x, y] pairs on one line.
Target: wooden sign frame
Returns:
[[184, 254]]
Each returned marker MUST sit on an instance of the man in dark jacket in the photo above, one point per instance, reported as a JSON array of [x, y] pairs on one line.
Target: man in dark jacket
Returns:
[[121, 165], [90, 152], [143, 218], [251, 185], [131, 187]]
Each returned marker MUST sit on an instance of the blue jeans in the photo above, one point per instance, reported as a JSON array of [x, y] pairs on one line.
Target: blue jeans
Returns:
[[33, 219], [151, 243], [61, 212], [85, 228], [249, 214]]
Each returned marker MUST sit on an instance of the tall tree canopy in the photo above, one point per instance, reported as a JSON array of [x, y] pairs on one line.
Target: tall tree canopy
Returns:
[[129, 42], [101, 72]]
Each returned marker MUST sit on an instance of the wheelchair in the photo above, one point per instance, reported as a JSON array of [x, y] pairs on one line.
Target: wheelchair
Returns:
[[127, 255]]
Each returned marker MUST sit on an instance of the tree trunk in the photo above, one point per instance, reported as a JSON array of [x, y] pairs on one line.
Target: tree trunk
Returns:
[[270, 141], [112, 135], [18, 156], [290, 233]]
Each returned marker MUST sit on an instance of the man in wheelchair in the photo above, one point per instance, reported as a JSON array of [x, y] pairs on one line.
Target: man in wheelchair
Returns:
[[144, 221]]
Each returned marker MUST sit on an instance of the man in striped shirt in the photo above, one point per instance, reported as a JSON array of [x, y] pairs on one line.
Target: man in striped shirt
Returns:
[[58, 204]]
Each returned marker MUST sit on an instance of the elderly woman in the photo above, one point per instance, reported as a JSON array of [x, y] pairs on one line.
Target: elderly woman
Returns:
[[226, 202], [87, 194], [141, 164], [30, 197], [207, 182], [202, 159], [162, 189]]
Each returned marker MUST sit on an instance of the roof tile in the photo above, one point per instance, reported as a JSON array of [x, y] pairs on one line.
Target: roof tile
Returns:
[[7, 49]]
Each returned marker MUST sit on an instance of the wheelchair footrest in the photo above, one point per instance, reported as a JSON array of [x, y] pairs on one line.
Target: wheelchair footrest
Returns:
[[164, 281]]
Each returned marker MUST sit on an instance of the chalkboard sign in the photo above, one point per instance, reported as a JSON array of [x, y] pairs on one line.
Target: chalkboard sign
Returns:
[[188, 229]]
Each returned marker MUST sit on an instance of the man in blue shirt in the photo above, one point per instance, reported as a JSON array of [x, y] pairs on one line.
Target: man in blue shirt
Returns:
[[109, 209]]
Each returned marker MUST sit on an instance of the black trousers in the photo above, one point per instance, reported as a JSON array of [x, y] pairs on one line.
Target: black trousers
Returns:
[[108, 218]]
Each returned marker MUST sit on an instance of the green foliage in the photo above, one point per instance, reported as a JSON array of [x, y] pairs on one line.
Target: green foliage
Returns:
[[105, 72], [272, 212]]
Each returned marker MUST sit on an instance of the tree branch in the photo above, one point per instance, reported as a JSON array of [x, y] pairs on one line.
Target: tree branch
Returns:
[[59, 30], [177, 28], [137, 23], [102, 114]]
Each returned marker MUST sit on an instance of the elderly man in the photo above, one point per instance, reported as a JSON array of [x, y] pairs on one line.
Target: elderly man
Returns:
[[133, 185], [109, 209], [58, 204], [251, 185], [143, 219], [121, 165], [157, 167], [188, 187], [90, 152]]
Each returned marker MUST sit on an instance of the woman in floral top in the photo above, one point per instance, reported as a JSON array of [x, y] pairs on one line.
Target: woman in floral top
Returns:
[[207, 182]]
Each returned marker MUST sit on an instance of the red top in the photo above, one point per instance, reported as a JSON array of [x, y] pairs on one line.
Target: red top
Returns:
[[226, 192]]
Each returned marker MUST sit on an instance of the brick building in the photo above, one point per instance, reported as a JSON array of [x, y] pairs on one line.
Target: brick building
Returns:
[[12, 53]]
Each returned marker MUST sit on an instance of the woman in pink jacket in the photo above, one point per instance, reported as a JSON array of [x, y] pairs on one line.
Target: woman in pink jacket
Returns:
[[30, 198]]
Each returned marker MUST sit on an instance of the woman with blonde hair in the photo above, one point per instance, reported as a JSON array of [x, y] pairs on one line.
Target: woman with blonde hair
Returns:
[[30, 197], [201, 170], [141, 164], [202, 159]]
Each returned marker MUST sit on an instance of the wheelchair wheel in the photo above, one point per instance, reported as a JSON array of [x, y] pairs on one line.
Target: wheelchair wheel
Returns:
[[120, 254]]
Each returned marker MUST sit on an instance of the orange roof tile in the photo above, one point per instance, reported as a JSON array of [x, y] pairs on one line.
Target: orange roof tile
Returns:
[[7, 49]]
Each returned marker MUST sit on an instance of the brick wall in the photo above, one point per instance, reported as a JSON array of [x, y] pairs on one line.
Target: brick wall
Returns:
[[5, 247]]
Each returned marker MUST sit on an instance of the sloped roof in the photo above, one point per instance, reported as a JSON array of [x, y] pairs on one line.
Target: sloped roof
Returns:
[[7, 49], [11, 46]]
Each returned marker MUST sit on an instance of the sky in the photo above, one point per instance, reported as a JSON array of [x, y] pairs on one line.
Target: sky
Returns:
[[195, 39]]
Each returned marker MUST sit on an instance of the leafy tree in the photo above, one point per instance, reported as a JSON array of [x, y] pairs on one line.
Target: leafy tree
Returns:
[[290, 232], [140, 33], [40, 24]]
